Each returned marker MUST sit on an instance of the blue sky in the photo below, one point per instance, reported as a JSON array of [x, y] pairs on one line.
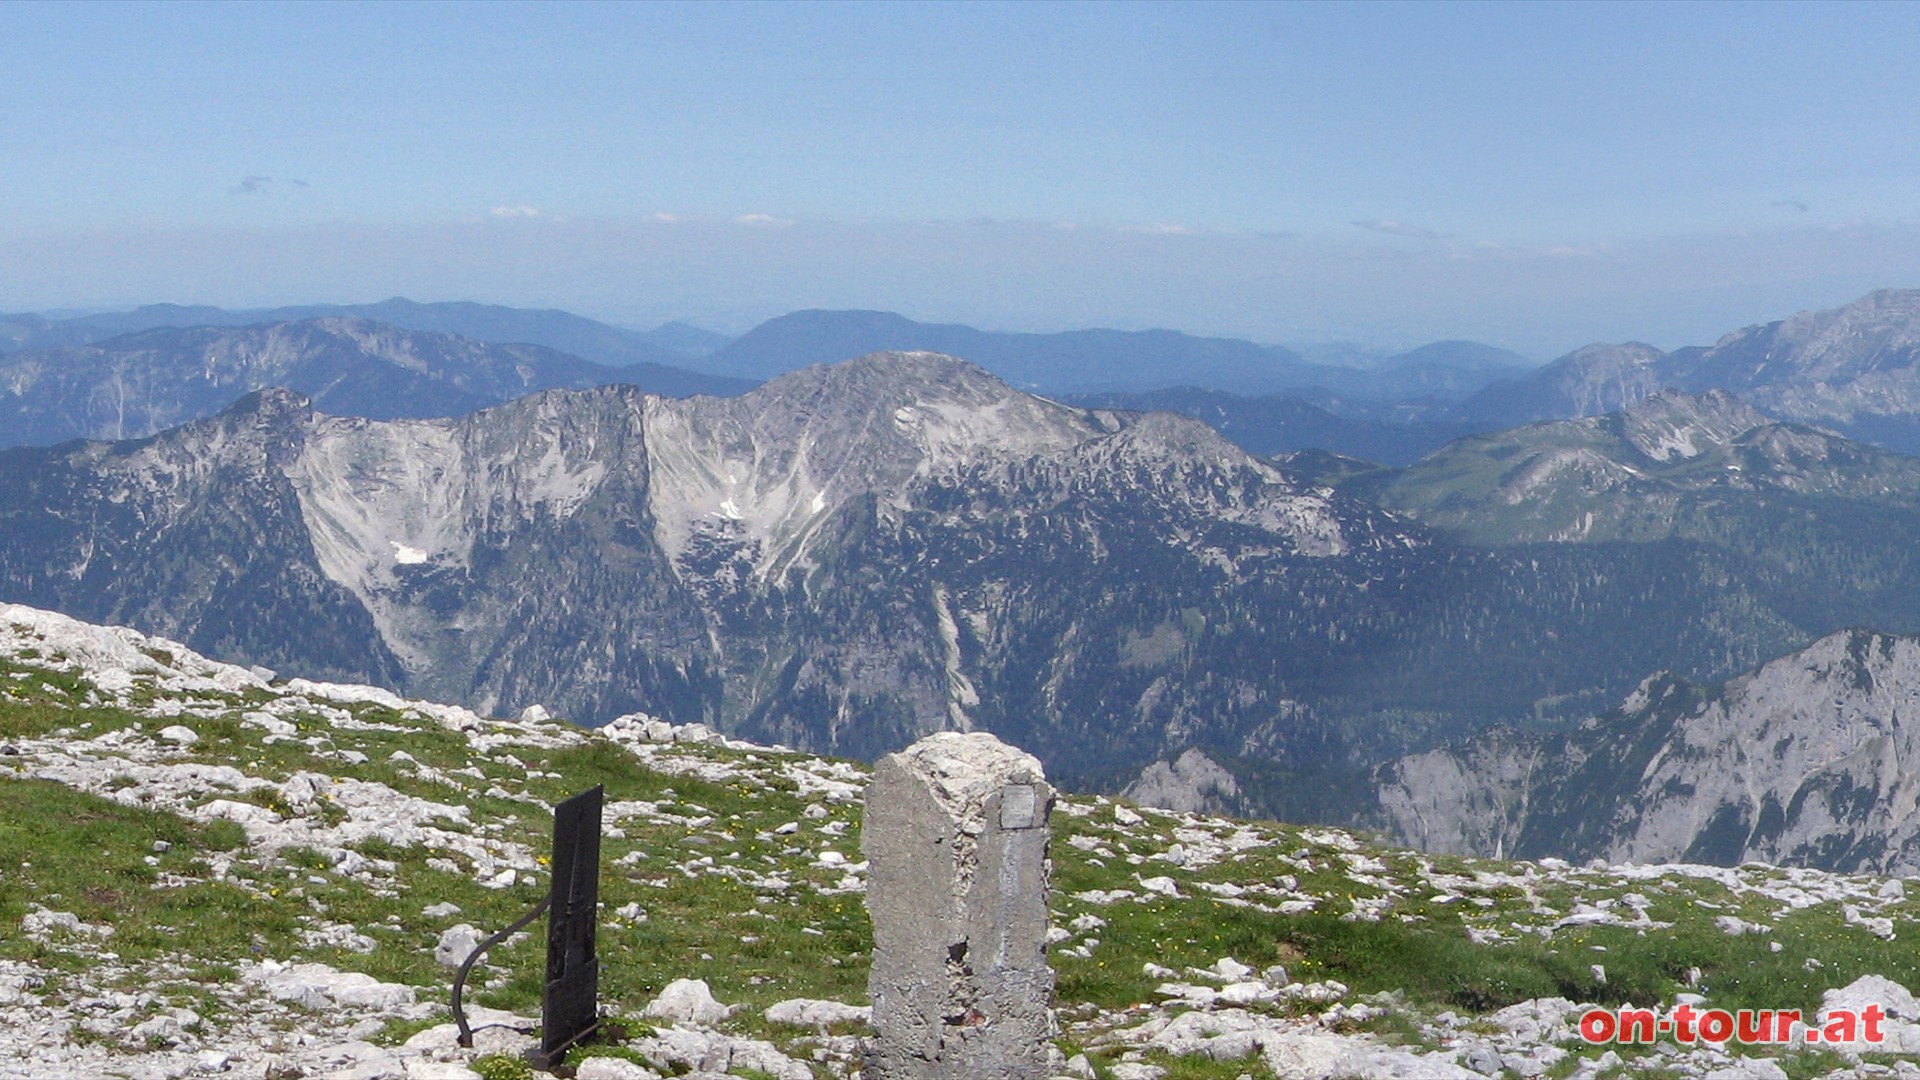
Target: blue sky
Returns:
[[1537, 176]]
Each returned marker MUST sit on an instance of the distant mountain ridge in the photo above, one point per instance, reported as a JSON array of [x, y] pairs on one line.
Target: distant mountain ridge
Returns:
[[138, 384], [668, 345], [1670, 464], [1074, 360], [1071, 361], [1854, 368], [1104, 361]]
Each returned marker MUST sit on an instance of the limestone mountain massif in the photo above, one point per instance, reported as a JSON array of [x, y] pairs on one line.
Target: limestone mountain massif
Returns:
[[769, 562], [852, 556], [1597, 378]]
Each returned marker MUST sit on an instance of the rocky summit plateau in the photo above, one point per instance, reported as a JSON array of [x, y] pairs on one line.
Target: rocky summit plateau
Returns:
[[208, 870]]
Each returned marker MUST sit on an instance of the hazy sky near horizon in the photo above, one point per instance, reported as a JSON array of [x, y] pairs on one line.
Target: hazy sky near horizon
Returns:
[[1535, 176]]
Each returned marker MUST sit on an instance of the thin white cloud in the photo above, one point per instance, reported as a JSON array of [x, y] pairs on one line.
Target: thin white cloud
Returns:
[[515, 212], [764, 220], [1399, 228]]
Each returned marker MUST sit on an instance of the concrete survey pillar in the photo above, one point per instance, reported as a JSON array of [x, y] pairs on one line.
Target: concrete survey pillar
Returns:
[[955, 837]]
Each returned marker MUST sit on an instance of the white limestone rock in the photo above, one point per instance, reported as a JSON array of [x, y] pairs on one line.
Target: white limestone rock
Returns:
[[317, 986], [688, 1001], [455, 945], [1322, 1056], [813, 1012], [612, 1068], [1902, 1025]]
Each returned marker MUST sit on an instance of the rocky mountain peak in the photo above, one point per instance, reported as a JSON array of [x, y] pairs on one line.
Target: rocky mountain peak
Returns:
[[267, 427], [1879, 330], [890, 373], [1602, 356], [1192, 783], [759, 474], [1672, 425], [1602, 378], [1598, 378]]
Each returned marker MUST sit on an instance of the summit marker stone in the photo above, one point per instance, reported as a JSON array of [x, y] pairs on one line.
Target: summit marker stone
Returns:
[[955, 836]]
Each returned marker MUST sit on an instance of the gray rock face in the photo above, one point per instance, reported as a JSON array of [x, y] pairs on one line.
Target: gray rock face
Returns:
[[1193, 783], [955, 835], [1797, 763]]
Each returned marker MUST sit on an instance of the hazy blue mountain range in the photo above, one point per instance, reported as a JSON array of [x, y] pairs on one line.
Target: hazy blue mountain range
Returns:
[[166, 376], [667, 345], [1107, 361], [1441, 370], [137, 384], [1080, 360], [1076, 360]]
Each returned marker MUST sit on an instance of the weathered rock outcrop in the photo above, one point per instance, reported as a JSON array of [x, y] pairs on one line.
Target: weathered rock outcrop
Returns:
[[1192, 783], [1801, 762]]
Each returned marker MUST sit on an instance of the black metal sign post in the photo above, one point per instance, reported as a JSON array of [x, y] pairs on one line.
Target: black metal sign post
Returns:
[[570, 1008]]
